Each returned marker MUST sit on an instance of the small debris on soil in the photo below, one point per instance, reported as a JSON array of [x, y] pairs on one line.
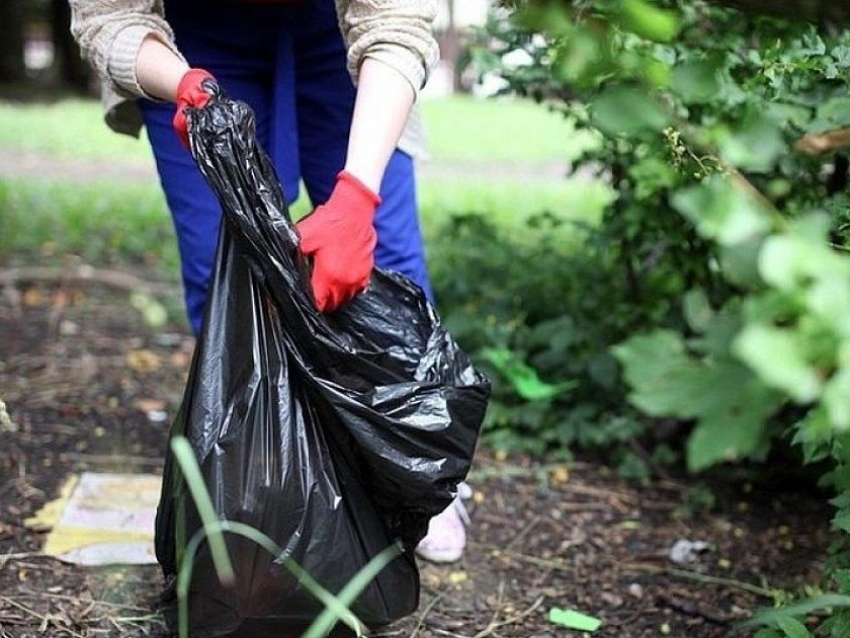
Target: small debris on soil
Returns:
[[89, 386]]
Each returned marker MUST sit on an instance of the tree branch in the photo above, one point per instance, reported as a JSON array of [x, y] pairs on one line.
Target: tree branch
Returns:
[[819, 11]]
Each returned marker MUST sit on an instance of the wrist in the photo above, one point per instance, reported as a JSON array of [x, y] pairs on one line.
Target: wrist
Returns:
[[352, 193], [191, 84], [363, 173]]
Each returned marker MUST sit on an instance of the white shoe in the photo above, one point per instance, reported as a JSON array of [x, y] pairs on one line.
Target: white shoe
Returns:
[[446, 537]]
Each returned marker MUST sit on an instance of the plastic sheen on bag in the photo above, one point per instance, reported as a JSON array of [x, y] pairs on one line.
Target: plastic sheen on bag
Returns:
[[336, 435]]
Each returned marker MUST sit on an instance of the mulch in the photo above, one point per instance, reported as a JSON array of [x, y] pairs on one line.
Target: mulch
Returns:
[[87, 381]]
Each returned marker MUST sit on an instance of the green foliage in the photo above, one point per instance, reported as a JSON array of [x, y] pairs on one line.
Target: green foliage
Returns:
[[538, 332], [731, 239]]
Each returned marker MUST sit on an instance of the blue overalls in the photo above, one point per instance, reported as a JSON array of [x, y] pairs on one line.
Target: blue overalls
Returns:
[[288, 62]]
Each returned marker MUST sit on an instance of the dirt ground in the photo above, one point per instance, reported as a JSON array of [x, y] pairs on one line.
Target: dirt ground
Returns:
[[84, 378]]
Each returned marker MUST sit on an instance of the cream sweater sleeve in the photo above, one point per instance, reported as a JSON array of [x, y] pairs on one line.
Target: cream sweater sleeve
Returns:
[[397, 32], [110, 33]]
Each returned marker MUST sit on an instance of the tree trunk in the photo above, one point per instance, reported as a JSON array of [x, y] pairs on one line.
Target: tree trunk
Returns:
[[12, 68], [451, 45], [819, 11], [72, 70]]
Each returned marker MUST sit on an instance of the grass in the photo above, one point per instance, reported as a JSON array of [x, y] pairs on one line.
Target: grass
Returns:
[[68, 128], [44, 222], [466, 129], [458, 129], [105, 224]]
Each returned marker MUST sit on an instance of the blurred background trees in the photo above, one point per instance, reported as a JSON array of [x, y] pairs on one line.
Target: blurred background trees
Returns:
[[37, 51], [38, 54]]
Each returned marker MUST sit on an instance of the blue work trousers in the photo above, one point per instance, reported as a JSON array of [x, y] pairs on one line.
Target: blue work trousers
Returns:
[[288, 62]]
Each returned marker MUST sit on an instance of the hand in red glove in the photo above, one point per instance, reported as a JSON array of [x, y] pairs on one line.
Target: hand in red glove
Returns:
[[191, 93], [341, 238]]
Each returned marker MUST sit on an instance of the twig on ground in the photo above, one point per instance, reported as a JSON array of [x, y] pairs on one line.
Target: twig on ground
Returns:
[[523, 532], [701, 578], [556, 565], [513, 619], [690, 608], [5, 558], [498, 609], [45, 619], [84, 274], [99, 603], [431, 604]]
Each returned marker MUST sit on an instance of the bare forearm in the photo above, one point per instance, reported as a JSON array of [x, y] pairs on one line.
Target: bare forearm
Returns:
[[384, 100], [158, 69]]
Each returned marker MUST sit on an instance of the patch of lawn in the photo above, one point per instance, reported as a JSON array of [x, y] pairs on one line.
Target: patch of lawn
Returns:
[[463, 128], [459, 128], [99, 223], [108, 223], [511, 203], [67, 128]]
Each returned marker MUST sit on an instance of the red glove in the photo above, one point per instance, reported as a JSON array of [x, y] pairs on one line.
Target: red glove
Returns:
[[191, 93], [341, 239]]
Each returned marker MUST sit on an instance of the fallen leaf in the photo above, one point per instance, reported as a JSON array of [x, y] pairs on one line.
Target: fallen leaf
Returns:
[[143, 361], [150, 405], [33, 297], [456, 578], [560, 475], [573, 620]]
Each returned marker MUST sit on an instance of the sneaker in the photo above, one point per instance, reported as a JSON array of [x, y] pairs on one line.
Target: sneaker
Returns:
[[446, 537]]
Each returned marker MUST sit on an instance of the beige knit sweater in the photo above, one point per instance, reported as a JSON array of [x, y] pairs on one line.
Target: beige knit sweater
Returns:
[[110, 32]]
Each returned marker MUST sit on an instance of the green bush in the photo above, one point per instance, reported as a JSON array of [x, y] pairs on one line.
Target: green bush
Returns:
[[732, 240], [539, 311]]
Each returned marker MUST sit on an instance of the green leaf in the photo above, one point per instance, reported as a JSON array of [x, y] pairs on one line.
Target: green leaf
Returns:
[[154, 313], [739, 262], [790, 262], [696, 82], [573, 620], [755, 146], [842, 577], [803, 608], [722, 211], [698, 311], [660, 373], [793, 628], [833, 113], [625, 110], [345, 599], [523, 377], [778, 357], [733, 408], [185, 456], [652, 175], [730, 404], [841, 521], [648, 21], [836, 399]]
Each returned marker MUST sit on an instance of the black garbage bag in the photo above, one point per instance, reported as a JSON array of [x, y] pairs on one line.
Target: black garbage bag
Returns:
[[336, 435]]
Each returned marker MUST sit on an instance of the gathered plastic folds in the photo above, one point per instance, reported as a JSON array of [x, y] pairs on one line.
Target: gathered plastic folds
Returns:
[[335, 435]]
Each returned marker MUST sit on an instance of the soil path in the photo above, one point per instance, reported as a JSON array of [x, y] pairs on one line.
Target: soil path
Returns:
[[81, 374]]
